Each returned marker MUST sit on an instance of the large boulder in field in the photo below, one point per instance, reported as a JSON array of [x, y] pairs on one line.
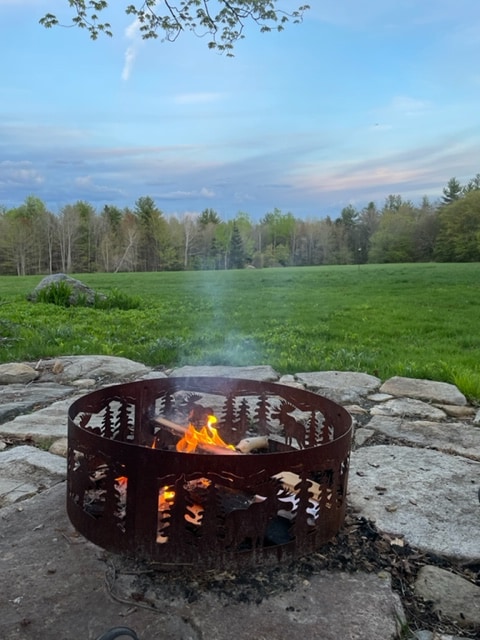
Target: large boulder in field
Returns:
[[79, 291]]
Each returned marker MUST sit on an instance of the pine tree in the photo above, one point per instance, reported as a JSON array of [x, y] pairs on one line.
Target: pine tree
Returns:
[[453, 191], [237, 252]]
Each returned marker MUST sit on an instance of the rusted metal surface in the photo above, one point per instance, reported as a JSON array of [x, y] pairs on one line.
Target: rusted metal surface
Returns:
[[130, 491]]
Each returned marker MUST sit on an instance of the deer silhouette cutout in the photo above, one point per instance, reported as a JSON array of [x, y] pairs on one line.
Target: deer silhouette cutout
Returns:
[[197, 413], [247, 526]]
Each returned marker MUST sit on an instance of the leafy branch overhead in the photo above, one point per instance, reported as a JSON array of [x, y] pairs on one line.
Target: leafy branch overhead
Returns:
[[222, 21]]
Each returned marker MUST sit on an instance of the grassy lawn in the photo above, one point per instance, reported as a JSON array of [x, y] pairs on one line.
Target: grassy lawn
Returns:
[[416, 320]]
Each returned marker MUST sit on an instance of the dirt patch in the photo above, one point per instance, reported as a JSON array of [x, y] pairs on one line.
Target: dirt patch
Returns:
[[358, 547]]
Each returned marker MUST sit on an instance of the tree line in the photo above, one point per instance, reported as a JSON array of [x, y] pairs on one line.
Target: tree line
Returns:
[[80, 239]]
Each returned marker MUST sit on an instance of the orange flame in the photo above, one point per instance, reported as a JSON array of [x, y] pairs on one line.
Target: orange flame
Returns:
[[166, 495], [206, 435]]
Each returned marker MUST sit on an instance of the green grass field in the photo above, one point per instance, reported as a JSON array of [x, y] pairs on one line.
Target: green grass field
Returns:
[[416, 320]]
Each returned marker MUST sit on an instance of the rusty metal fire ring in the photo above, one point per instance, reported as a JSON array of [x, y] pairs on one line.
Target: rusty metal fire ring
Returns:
[[131, 492]]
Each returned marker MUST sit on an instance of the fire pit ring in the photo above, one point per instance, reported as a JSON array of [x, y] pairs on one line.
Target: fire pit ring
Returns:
[[130, 491]]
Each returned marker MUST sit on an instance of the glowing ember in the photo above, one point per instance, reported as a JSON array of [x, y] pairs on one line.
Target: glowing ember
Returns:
[[166, 500], [166, 495], [206, 435]]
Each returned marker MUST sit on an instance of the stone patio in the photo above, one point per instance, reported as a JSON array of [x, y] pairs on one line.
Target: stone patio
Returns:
[[415, 473]]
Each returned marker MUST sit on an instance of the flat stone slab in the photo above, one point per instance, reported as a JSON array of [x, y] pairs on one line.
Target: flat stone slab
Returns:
[[100, 368], [449, 437], [262, 373], [452, 596], [53, 586], [328, 606], [41, 427], [20, 398], [457, 411], [25, 470], [428, 497], [343, 387], [406, 407], [439, 392]]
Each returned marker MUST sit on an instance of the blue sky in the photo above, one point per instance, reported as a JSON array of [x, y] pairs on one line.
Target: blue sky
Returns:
[[362, 100]]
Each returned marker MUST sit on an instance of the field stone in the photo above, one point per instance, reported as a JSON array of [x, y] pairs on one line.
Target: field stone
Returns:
[[17, 373], [428, 497], [25, 470], [84, 383], [407, 407], [450, 437], [59, 447], [78, 288], [437, 392], [290, 381], [42, 426], [451, 595], [154, 375], [457, 411], [343, 387], [16, 399], [111, 368], [328, 606], [356, 409], [379, 397], [261, 373], [361, 436]]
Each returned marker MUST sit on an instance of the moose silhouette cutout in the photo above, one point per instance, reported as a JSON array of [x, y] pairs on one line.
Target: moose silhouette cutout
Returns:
[[294, 430]]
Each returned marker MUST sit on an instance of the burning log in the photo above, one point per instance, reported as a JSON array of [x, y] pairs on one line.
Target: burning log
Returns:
[[181, 431], [247, 445]]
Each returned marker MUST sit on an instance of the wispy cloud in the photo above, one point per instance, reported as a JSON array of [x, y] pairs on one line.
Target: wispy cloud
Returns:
[[132, 33], [419, 170], [204, 192], [89, 185], [19, 173], [408, 106], [355, 114], [197, 98]]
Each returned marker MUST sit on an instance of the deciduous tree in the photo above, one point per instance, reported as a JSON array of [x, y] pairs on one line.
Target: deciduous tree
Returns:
[[279, 233], [394, 239], [459, 236], [68, 225], [223, 21]]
